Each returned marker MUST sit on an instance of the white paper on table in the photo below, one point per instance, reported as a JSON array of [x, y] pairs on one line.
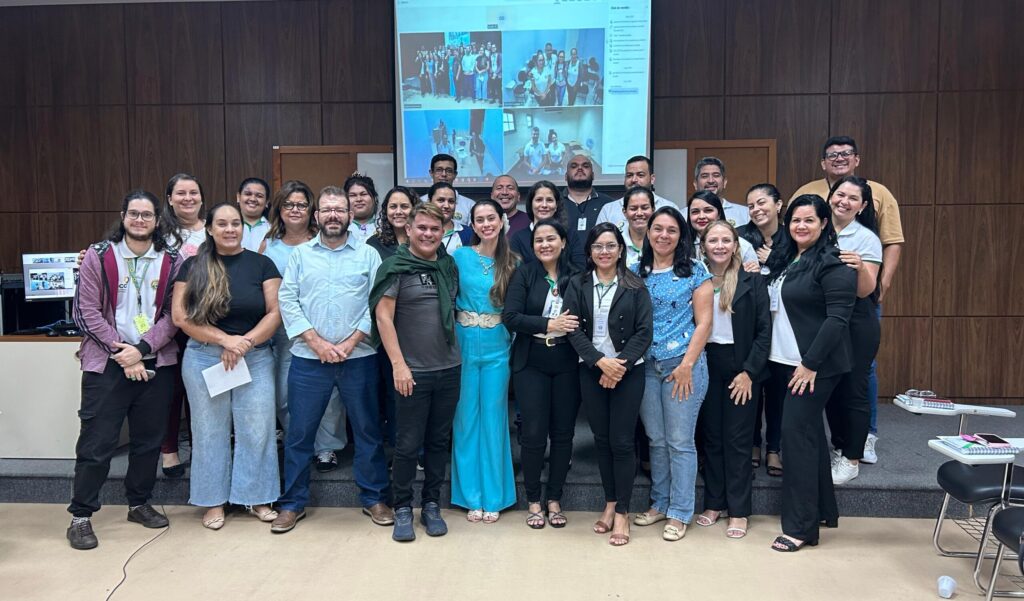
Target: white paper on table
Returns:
[[219, 380]]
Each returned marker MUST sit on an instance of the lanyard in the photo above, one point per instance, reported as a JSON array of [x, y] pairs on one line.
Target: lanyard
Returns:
[[552, 285], [138, 282], [603, 290]]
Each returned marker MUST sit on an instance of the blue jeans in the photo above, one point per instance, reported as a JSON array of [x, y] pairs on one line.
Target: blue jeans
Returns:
[[873, 388], [331, 435], [310, 385], [251, 475], [670, 425]]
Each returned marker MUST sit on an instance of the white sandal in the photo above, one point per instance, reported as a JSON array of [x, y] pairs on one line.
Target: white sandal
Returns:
[[475, 515]]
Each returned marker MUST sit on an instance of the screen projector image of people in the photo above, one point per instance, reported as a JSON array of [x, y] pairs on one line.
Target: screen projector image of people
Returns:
[[520, 88]]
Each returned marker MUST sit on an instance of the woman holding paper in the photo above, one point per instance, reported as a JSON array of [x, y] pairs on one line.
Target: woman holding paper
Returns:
[[225, 299]]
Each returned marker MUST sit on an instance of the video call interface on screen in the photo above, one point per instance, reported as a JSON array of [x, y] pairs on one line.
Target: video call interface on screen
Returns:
[[50, 276], [506, 87]]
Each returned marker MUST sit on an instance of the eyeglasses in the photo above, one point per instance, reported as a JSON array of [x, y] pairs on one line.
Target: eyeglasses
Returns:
[[333, 211], [834, 156], [444, 171], [145, 216], [295, 206], [610, 247]]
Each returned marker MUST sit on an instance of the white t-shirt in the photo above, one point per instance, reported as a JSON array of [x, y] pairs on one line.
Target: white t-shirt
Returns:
[[147, 278], [721, 325], [253, 235], [736, 214], [784, 350], [452, 240], [362, 232], [859, 239], [612, 212], [191, 240], [463, 205], [534, 154]]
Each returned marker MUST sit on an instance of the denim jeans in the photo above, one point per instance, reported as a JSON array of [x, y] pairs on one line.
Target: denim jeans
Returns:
[[251, 476], [670, 425], [310, 384], [873, 387], [331, 434]]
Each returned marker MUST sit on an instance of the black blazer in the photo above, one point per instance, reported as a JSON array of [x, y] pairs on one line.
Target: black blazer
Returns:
[[752, 325], [524, 305], [819, 294], [630, 320]]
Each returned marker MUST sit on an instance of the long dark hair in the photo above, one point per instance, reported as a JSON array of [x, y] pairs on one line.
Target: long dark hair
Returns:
[[682, 259], [564, 265], [750, 232], [785, 250], [709, 197], [385, 229], [627, 279], [867, 216], [559, 203], [171, 225], [207, 291], [159, 236], [277, 227], [504, 259]]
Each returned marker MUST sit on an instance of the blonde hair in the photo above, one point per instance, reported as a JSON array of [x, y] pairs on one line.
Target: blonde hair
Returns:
[[732, 270]]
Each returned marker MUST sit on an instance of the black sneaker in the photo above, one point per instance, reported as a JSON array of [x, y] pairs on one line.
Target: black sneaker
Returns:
[[403, 531], [81, 536], [326, 461], [147, 516], [430, 515]]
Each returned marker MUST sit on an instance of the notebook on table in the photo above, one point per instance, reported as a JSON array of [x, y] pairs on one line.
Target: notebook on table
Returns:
[[971, 448]]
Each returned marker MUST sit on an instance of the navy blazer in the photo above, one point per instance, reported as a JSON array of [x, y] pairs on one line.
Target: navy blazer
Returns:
[[752, 325], [630, 320], [524, 307]]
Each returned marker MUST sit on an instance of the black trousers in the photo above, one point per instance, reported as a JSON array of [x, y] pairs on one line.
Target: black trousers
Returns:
[[548, 391], [849, 409], [807, 493], [612, 414], [107, 399], [424, 420], [727, 431], [770, 405]]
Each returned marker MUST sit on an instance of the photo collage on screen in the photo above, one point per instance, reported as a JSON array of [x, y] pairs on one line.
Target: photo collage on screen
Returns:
[[517, 102]]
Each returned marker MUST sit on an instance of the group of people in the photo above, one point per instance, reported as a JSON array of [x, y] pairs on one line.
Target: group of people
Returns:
[[421, 318], [551, 79], [469, 71], [544, 158]]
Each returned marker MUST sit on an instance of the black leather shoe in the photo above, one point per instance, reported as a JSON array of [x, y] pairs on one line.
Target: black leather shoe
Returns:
[[175, 471], [81, 536], [147, 516]]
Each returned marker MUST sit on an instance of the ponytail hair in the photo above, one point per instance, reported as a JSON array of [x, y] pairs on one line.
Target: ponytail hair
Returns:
[[207, 292]]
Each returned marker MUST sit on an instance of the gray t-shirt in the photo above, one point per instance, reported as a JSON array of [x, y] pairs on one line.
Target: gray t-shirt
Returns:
[[418, 323]]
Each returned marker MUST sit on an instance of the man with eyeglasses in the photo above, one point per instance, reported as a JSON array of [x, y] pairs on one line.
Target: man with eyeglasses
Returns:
[[839, 158], [709, 174], [444, 168], [583, 204], [324, 299], [123, 308]]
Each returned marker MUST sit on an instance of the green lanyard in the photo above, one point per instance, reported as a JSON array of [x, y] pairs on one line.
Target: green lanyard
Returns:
[[552, 285], [603, 290], [138, 282]]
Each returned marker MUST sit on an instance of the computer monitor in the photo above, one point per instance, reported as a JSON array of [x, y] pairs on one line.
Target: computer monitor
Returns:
[[50, 276]]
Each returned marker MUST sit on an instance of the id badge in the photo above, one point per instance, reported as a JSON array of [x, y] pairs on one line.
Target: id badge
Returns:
[[142, 324], [601, 325], [556, 307], [774, 293], [581, 224]]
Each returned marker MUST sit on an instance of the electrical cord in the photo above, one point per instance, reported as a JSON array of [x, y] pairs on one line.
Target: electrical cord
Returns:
[[124, 568]]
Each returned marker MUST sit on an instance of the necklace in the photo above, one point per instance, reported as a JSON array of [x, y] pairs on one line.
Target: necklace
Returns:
[[483, 264]]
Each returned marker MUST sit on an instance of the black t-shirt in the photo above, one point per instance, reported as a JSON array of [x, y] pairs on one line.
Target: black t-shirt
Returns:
[[246, 273]]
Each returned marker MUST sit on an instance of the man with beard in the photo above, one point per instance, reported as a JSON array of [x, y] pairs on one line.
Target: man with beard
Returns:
[[583, 205], [639, 172], [123, 307], [443, 169], [324, 304], [505, 192], [709, 174]]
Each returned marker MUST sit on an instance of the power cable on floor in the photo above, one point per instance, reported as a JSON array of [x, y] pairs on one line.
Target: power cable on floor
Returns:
[[124, 568]]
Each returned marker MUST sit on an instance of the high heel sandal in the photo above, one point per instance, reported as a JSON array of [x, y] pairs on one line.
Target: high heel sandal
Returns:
[[774, 471], [783, 544]]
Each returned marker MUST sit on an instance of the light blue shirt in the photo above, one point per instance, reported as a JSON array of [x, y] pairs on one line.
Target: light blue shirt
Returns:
[[328, 291]]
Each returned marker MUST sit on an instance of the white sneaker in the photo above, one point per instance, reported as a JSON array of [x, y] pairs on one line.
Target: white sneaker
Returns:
[[833, 457], [843, 471], [869, 450]]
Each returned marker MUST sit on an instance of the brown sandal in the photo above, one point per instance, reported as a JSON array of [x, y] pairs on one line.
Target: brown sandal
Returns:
[[601, 528]]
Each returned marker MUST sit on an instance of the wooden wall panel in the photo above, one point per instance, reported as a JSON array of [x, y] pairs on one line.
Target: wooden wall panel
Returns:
[[905, 356], [689, 47], [166, 140], [974, 357], [60, 232], [980, 148], [363, 123], [895, 135], [15, 167], [79, 157], [15, 30], [798, 123], [77, 55], [980, 45], [913, 288], [271, 51], [253, 130], [18, 237], [676, 119], [902, 56], [357, 64], [978, 256], [779, 47], [174, 53]]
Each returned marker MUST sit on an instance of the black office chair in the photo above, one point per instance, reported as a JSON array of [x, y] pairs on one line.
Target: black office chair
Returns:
[[1008, 529]]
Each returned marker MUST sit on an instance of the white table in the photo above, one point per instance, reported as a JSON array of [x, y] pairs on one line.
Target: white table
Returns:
[[915, 405]]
